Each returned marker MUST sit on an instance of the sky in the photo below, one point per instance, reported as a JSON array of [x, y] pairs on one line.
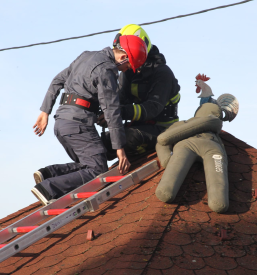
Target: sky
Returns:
[[220, 43]]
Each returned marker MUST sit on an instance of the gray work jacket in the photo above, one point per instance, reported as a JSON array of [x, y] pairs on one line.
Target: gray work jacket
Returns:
[[93, 75]]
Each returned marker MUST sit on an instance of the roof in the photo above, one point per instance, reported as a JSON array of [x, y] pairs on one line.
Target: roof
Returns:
[[138, 234]]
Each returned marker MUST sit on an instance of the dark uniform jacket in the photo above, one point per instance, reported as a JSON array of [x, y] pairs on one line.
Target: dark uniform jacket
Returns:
[[93, 76], [154, 92]]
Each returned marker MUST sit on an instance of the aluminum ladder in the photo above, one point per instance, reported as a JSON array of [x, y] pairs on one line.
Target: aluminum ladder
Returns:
[[66, 215]]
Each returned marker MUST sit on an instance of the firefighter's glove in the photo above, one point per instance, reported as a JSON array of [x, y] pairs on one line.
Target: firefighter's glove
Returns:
[[101, 121]]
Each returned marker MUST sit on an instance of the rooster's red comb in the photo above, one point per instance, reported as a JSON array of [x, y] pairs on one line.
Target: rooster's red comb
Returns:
[[202, 77]]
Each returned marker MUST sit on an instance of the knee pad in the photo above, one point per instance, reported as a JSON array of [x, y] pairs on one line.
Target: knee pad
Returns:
[[134, 138]]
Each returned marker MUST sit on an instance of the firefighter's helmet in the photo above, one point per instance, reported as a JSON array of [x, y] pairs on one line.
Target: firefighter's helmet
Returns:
[[133, 29], [135, 48]]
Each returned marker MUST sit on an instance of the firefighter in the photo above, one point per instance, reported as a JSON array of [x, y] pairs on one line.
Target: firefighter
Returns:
[[148, 98], [90, 81]]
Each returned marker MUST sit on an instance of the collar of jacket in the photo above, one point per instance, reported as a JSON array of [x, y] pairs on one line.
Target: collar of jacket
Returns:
[[154, 56], [109, 52]]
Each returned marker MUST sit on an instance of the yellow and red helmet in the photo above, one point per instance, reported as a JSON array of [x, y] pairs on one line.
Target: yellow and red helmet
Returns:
[[133, 29]]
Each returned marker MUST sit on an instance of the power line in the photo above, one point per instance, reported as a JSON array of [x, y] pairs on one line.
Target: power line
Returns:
[[143, 24], [194, 13]]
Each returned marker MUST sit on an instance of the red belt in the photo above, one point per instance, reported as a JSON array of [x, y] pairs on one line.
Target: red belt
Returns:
[[78, 101]]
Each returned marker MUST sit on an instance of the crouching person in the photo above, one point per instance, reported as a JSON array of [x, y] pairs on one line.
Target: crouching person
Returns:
[[149, 99], [195, 139], [89, 82]]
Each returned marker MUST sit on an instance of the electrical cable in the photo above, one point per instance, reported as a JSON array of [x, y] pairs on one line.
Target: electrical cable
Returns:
[[143, 24]]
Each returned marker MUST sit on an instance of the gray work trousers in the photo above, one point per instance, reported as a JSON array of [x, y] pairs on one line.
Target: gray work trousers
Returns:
[[84, 146], [208, 147]]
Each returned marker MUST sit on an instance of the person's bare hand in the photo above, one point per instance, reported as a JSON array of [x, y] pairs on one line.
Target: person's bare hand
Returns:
[[124, 163], [41, 124], [101, 121]]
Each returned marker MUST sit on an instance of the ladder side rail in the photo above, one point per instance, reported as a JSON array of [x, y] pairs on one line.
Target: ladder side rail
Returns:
[[112, 190], [147, 170], [119, 186], [43, 230], [90, 204], [111, 173], [64, 201]]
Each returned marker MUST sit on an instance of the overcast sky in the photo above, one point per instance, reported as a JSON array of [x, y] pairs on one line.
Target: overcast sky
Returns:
[[220, 44]]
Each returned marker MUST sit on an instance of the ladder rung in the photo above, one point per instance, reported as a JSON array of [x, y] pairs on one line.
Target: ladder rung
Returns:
[[2, 245], [54, 211], [84, 195], [24, 229], [112, 179]]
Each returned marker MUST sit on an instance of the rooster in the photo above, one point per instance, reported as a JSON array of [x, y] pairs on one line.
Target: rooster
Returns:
[[227, 102], [206, 95]]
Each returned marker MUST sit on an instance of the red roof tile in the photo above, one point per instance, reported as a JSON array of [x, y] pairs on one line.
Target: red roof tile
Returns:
[[137, 234]]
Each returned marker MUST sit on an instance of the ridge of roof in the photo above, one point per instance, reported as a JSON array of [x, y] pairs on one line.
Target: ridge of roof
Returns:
[[138, 234]]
